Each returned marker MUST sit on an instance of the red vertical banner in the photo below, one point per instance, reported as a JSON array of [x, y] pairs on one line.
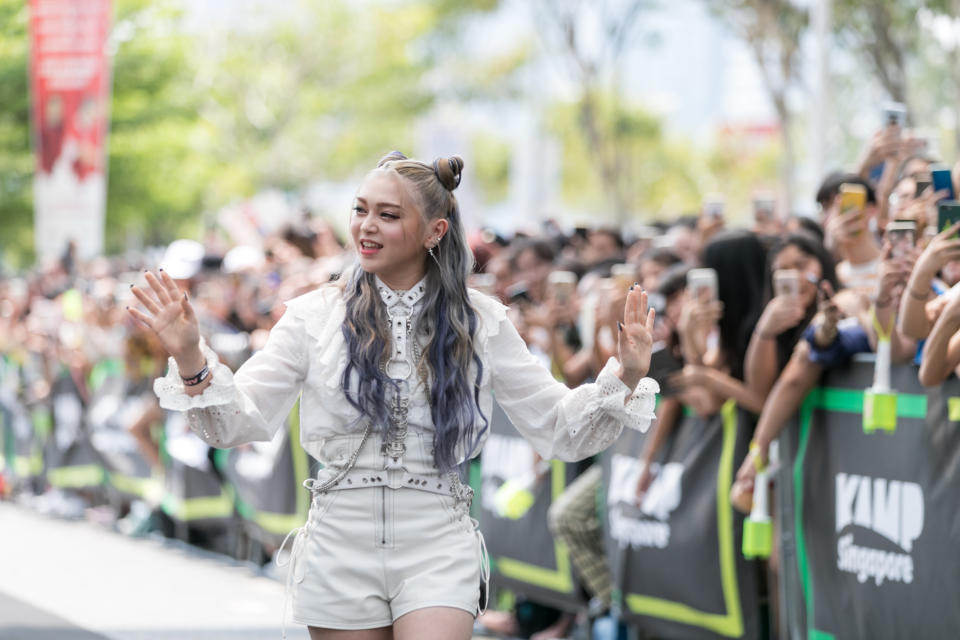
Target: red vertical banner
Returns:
[[70, 87]]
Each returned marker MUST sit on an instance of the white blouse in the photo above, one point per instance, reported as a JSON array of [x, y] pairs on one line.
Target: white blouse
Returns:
[[306, 354]]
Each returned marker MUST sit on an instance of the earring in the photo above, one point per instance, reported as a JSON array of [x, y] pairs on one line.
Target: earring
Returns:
[[432, 255]]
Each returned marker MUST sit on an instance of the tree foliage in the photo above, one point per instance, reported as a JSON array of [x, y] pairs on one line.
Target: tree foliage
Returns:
[[16, 159], [204, 116]]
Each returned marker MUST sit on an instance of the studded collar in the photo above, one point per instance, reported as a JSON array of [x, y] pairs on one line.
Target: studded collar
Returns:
[[401, 302], [401, 307]]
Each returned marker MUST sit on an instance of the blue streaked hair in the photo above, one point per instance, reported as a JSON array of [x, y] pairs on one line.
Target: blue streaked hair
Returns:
[[447, 320]]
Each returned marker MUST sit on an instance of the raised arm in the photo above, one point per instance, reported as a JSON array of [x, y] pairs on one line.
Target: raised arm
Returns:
[[941, 353], [574, 424], [760, 366], [224, 409], [912, 320]]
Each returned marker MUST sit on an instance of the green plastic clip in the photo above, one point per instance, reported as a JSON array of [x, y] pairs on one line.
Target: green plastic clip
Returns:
[[757, 538], [513, 499], [879, 411]]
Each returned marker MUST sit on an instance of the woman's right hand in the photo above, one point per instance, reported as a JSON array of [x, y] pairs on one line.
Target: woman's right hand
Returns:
[[741, 492], [697, 319], [780, 314], [944, 247], [170, 316], [643, 482]]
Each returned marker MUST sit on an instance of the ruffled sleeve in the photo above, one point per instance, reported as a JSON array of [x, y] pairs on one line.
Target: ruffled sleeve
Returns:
[[252, 404], [562, 423]]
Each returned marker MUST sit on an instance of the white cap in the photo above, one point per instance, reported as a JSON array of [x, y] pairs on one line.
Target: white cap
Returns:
[[243, 258], [183, 259]]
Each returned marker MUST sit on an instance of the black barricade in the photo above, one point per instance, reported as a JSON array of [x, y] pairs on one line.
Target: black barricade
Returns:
[[115, 403], [268, 480], [71, 461], [524, 555], [676, 558], [193, 491], [869, 521]]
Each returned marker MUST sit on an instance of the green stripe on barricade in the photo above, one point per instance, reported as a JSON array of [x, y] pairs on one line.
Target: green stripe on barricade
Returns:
[[220, 506], [560, 580], [806, 414], [85, 475], [42, 420], [909, 405], [729, 624], [28, 466], [149, 489], [301, 470]]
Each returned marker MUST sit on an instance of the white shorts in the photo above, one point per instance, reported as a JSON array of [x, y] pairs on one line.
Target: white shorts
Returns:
[[371, 555]]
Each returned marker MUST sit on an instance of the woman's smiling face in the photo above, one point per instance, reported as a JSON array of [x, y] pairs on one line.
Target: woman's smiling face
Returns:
[[388, 229]]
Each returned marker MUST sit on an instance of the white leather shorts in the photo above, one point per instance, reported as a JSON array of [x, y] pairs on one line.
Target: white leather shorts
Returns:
[[370, 555]]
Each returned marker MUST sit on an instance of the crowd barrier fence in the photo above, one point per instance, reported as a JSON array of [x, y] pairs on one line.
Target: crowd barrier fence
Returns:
[[867, 522]]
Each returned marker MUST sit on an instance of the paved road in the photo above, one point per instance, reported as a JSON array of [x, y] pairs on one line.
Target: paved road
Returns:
[[70, 580], [63, 579]]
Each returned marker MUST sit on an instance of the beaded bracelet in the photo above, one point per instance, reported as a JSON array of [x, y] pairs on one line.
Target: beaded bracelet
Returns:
[[194, 380]]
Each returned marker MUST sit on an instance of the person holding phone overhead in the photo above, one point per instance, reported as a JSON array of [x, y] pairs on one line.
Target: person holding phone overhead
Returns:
[[394, 367], [797, 266]]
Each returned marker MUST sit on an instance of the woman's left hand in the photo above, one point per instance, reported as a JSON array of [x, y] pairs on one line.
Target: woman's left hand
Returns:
[[635, 337]]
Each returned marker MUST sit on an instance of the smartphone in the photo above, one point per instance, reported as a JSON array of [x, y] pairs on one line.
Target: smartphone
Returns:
[[948, 214], [894, 113], [902, 235], [562, 285], [702, 284], [764, 208], [713, 206], [657, 302], [853, 197], [942, 180], [786, 282], [624, 275]]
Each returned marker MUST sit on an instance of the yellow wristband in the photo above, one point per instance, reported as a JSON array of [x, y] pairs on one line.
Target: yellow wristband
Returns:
[[758, 462]]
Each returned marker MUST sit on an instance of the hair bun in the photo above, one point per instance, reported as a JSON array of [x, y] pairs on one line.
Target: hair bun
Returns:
[[448, 171], [390, 157]]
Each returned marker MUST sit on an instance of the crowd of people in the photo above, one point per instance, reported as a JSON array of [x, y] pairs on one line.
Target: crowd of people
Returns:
[[754, 314]]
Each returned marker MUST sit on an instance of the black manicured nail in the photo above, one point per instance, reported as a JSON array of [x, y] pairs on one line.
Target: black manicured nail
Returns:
[[620, 326], [160, 269], [131, 285]]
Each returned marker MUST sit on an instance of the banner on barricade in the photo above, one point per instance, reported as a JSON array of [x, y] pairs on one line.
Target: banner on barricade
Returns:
[[676, 558], [870, 538], [525, 556], [70, 90]]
